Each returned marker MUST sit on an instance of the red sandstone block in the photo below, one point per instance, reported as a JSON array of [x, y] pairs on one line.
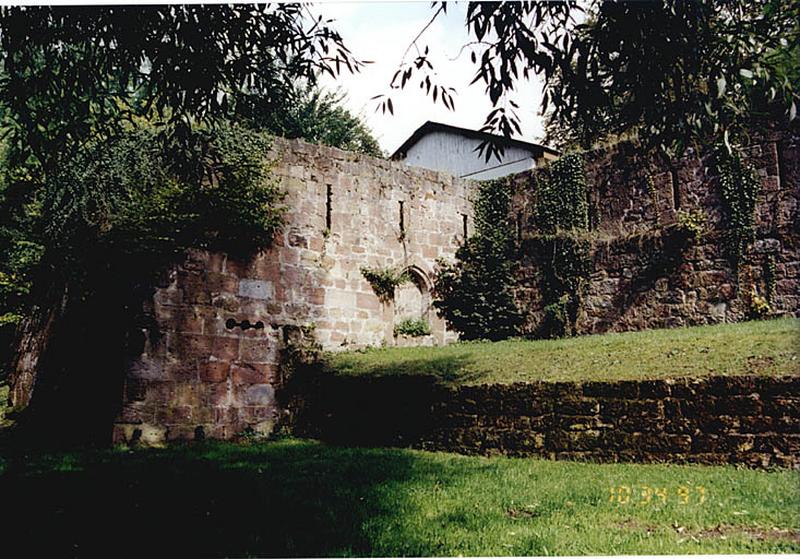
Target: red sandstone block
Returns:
[[194, 288], [181, 371], [224, 348], [160, 392], [217, 395], [175, 415], [188, 394], [186, 319], [182, 346], [136, 413], [221, 283], [368, 301], [258, 350], [214, 371], [180, 433], [254, 414], [252, 373], [315, 295]]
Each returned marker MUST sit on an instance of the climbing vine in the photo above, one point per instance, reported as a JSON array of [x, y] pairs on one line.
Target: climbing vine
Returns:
[[562, 217], [739, 188], [565, 269], [476, 293], [385, 280], [768, 272], [561, 196]]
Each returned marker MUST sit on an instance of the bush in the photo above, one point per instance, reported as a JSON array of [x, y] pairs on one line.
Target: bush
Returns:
[[475, 294], [413, 327]]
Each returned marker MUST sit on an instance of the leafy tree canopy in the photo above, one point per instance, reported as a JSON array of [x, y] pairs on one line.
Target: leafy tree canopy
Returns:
[[309, 112], [71, 73], [669, 72]]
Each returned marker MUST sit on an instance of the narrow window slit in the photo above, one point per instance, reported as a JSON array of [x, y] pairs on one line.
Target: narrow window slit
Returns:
[[402, 219], [464, 224], [328, 205]]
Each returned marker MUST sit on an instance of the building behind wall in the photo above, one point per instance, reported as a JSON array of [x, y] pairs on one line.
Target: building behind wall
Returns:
[[454, 150]]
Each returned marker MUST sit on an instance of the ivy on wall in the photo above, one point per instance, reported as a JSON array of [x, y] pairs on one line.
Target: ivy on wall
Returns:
[[562, 217], [561, 202], [565, 270], [385, 280], [739, 189], [475, 294]]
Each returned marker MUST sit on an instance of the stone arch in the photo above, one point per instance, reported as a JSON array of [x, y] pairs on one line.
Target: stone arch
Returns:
[[413, 298]]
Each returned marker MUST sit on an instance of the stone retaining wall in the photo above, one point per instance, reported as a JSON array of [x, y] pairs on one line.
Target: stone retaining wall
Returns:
[[748, 420]]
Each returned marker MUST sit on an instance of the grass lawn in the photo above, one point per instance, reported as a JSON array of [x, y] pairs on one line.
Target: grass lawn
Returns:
[[293, 497], [767, 347]]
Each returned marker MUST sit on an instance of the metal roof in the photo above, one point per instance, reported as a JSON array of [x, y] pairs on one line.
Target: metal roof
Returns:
[[431, 126]]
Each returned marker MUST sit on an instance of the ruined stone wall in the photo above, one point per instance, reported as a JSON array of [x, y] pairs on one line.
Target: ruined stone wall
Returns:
[[716, 420], [207, 358], [645, 277]]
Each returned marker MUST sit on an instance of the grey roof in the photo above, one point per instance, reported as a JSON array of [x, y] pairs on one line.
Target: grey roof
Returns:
[[431, 126]]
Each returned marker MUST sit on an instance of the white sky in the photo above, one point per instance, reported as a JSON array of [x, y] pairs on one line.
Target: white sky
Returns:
[[381, 32]]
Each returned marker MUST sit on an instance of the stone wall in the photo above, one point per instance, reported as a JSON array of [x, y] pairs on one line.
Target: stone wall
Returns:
[[646, 277], [209, 348], [210, 340], [717, 420]]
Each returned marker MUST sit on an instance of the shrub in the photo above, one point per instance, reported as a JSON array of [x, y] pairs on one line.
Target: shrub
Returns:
[[413, 327], [385, 280], [475, 294]]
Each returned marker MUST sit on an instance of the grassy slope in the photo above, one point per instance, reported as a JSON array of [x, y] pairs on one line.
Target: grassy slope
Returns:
[[303, 498], [768, 347]]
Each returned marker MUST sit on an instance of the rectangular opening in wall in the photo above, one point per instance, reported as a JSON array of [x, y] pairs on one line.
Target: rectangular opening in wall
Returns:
[[676, 191], [328, 196], [781, 164], [464, 225], [402, 219]]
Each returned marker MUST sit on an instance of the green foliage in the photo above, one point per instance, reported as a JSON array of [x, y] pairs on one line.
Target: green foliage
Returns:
[[758, 306], [385, 280], [128, 194], [311, 113], [75, 73], [561, 195], [413, 327], [769, 275], [693, 222], [475, 295], [668, 72], [127, 205], [739, 189], [562, 215], [565, 269]]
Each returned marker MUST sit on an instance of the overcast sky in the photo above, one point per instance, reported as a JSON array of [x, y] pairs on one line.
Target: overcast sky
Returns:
[[381, 31]]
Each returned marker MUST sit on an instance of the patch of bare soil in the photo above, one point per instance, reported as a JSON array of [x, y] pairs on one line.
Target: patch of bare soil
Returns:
[[721, 531]]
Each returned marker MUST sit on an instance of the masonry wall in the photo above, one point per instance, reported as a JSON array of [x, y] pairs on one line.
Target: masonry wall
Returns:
[[634, 287], [716, 420], [211, 335]]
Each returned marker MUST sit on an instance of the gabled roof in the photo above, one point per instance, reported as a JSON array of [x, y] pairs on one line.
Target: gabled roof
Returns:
[[431, 126]]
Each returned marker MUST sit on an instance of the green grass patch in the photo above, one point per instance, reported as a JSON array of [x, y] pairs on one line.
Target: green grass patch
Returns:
[[291, 497], [770, 347]]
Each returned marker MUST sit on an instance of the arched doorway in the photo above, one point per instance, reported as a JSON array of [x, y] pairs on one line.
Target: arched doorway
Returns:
[[412, 308]]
